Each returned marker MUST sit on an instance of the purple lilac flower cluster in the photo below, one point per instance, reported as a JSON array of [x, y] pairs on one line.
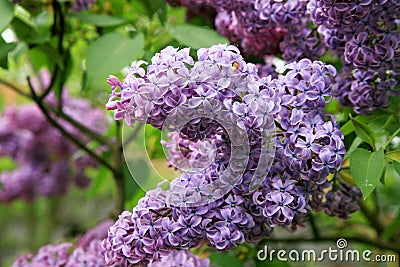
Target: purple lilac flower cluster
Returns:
[[87, 252], [265, 27], [365, 34], [49, 255], [308, 143], [154, 229], [46, 164], [180, 257], [309, 148]]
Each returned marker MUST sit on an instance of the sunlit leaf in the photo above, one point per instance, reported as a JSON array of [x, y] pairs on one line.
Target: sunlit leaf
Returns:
[[363, 131], [196, 36], [109, 54], [44, 55], [22, 29], [101, 20], [4, 50], [366, 168], [356, 142], [6, 13], [396, 165], [393, 155], [347, 128], [153, 7]]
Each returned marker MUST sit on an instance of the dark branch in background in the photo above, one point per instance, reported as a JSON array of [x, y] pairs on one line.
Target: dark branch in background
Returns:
[[54, 30], [119, 170], [55, 124], [15, 88], [58, 73], [116, 147], [61, 51], [90, 133], [52, 113], [133, 135], [313, 225]]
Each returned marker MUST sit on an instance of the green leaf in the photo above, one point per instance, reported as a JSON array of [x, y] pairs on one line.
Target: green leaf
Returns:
[[393, 155], [366, 168], [356, 142], [347, 128], [45, 54], [225, 259], [155, 7], [364, 132], [4, 50], [160, 7], [6, 13], [196, 36], [109, 54], [101, 20], [23, 30], [396, 166], [381, 122]]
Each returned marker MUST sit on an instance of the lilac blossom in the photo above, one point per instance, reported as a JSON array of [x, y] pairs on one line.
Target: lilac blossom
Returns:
[[308, 147], [86, 252], [46, 164], [264, 27], [181, 258], [365, 37]]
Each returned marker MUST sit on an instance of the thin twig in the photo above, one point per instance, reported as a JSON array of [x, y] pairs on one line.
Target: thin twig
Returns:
[[90, 133], [14, 88], [119, 174], [71, 137], [133, 135], [85, 130], [314, 227], [58, 27]]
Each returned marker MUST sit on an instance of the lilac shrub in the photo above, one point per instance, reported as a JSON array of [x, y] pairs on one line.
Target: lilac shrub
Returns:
[[265, 27], [46, 164], [88, 252], [365, 35], [49, 255], [178, 258], [307, 152]]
